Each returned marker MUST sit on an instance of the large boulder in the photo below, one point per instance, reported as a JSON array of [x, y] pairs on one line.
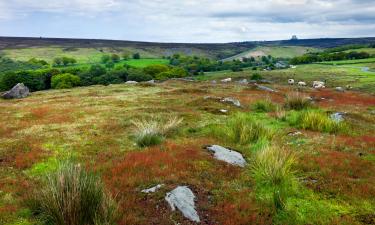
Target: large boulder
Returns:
[[18, 91], [227, 155], [183, 198]]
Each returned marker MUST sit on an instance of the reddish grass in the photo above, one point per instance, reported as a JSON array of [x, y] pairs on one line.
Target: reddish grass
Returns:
[[346, 98], [341, 173]]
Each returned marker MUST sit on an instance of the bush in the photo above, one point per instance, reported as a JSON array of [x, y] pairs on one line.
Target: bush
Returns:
[[153, 131], [256, 76], [138, 75], [136, 56], [316, 120], [272, 170], [264, 106], [297, 102], [73, 196], [65, 80], [35, 80], [243, 129], [154, 70]]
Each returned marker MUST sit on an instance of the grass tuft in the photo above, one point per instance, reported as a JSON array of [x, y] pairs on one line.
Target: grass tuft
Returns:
[[297, 101], [264, 106], [73, 196], [272, 170], [153, 131]]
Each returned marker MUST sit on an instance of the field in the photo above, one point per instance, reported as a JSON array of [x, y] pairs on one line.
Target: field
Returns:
[[141, 63], [275, 51], [335, 172], [335, 75]]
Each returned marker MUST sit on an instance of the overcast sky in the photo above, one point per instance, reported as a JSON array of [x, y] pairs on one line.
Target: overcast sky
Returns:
[[188, 20]]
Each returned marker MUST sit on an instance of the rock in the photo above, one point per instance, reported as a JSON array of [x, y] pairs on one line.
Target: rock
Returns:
[[223, 111], [151, 82], [244, 81], [226, 155], [226, 80], [183, 198], [18, 91], [340, 89], [296, 133], [214, 82], [232, 101], [337, 117], [264, 88], [153, 189], [252, 81], [264, 81], [131, 82]]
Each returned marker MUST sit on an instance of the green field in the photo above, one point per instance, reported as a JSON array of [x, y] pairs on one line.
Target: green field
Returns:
[[275, 51], [141, 63], [346, 62], [371, 51]]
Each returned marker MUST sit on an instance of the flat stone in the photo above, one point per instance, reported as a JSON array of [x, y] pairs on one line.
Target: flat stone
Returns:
[[233, 101], [183, 198], [131, 82], [152, 189], [227, 155], [264, 88], [337, 117]]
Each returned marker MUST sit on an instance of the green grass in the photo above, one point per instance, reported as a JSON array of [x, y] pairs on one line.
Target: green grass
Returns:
[[264, 106], [297, 101], [141, 63], [71, 195], [348, 62], [368, 50]]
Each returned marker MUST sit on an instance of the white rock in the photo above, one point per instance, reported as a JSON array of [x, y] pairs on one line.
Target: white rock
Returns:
[[131, 82], [226, 80], [153, 189], [223, 110], [337, 117], [226, 155], [264, 88], [232, 101], [183, 198]]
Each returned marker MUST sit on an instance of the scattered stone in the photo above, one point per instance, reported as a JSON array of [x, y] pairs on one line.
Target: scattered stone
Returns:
[[264, 81], [340, 89], [296, 133], [338, 117], [211, 97], [252, 81], [264, 88], [226, 80], [226, 155], [131, 82], [214, 82], [223, 111], [244, 81], [151, 82], [183, 198], [153, 189], [18, 91], [232, 101]]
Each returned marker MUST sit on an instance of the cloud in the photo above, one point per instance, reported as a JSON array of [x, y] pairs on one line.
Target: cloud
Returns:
[[194, 20]]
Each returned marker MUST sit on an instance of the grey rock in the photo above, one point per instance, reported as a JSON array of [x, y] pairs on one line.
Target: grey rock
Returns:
[[265, 81], [244, 81], [152, 189], [264, 88], [214, 82], [296, 133], [233, 101], [337, 117], [183, 198], [18, 91], [226, 155], [151, 81], [340, 89]]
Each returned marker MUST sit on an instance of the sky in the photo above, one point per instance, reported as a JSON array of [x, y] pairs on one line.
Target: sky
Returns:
[[198, 21]]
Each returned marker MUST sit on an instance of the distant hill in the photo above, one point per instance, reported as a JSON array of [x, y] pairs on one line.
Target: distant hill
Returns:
[[153, 49]]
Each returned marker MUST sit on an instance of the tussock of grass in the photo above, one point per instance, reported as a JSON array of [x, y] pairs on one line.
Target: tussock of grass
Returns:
[[272, 170], [316, 120], [243, 129], [73, 196], [264, 106], [153, 131], [297, 101]]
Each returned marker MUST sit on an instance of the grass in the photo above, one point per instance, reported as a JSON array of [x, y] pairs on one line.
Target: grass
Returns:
[[141, 63], [316, 120], [243, 128], [264, 106], [297, 101], [153, 131], [272, 170], [73, 196], [346, 62]]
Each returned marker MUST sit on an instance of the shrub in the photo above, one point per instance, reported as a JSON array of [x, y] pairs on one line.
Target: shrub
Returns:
[[73, 196], [243, 129], [154, 70], [272, 170], [264, 106], [316, 120], [256, 76], [153, 131], [297, 102], [136, 56], [138, 75], [65, 80]]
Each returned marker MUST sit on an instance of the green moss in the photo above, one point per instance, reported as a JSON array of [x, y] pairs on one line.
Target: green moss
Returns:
[[42, 168]]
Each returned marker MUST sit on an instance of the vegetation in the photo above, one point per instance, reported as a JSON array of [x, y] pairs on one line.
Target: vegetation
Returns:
[[264, 106], [297, 101], [65, 80], [73, 196]]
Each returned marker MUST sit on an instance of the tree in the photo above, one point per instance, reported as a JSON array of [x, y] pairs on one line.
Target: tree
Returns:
[[138, 75], [115, 58], [106, 59], [125, 56], [57, 61], [65, 80], [136, 56], [66, 61], [154, 70]]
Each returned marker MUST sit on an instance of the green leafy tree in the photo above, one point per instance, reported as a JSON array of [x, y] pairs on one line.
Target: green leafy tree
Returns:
[[57, 61], [65, 80], [115, 58], [106, 59], [136, 56]]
